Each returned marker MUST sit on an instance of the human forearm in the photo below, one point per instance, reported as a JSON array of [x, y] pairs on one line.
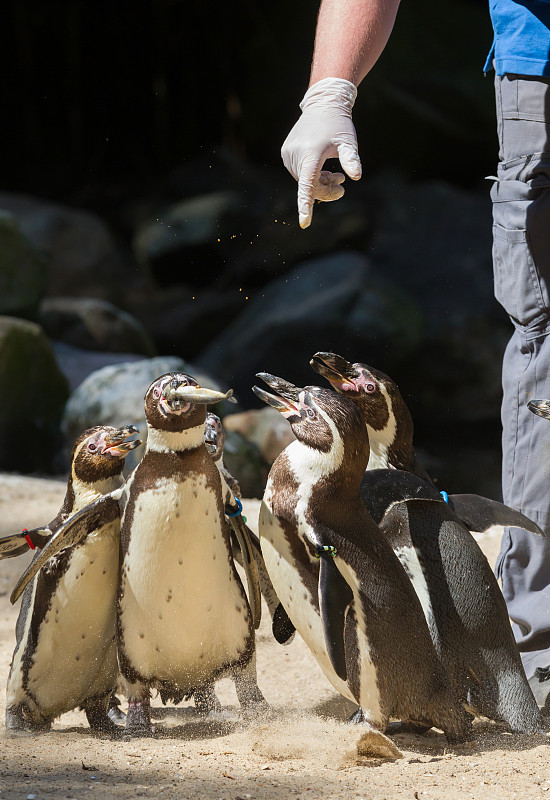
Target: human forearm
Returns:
[[350, 36]]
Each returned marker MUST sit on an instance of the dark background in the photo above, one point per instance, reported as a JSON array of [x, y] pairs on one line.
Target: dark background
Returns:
[[103, 100]]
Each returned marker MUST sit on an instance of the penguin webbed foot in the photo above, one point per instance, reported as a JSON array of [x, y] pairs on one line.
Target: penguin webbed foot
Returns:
[[99, 713], [138, 719], [18, 724]]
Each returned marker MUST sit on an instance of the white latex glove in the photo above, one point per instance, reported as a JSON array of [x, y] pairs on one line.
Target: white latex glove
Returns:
[[325, 130]]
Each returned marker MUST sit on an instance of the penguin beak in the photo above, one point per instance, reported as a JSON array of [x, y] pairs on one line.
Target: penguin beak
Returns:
[[540, 407], [180, 395], [286, 399], [117, 442], [338, 372]]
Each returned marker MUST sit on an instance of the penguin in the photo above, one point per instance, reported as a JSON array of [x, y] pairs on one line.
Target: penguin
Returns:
[[282, 628], [183, 617], [391, 429], [460, 596], [65, 653], [339, 580]]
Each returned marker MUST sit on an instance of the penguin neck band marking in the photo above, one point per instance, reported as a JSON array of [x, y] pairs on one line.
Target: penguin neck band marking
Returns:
[[173, 441], [28, 538]]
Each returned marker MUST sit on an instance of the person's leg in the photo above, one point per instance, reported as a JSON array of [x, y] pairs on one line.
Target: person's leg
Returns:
[[521, 255]]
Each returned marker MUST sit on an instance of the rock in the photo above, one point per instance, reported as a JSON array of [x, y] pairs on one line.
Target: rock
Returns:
[[22, 270], [76, 364], [94, 324], [82, 256], [191, 228], [192, 318], [244, 461], [114, 396], [33, 393], [264, 427], [435, 239], [337, 302]]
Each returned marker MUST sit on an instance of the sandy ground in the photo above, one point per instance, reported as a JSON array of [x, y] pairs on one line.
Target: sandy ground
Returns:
[[306, 750]]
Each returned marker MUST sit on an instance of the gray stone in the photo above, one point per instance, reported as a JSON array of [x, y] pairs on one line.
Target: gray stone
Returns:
[[244, 461], [114, 396], [337, 302], [82, 256], [264, 427], [94, 324], [22, 270], [76, 364], [33, 392]]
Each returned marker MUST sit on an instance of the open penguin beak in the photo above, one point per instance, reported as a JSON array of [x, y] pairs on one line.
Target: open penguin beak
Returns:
[[285, 401], [180, 395], [338, 372], [540, 407], [118, 443]]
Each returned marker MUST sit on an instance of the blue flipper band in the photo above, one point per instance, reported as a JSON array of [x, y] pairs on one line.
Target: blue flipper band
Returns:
[[239, 510]]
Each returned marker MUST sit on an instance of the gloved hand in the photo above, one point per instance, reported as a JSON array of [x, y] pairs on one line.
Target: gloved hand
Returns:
[[325, 130]]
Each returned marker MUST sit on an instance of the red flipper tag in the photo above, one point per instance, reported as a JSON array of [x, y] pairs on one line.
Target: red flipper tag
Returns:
[[29, 540]]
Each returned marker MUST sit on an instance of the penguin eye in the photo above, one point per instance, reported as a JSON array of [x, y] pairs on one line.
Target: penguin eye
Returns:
[[310, 412], [370, 387], [156, 392], [92, 446]]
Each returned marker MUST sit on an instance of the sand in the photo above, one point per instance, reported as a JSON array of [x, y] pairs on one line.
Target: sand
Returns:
[[306, 749]]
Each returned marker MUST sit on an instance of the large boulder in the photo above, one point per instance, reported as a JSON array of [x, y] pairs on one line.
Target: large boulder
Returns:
[[264, 427], [82, 256], [435, 240], [94, 324], [76, 364], [337, 302], [22, 270], [33, 392]]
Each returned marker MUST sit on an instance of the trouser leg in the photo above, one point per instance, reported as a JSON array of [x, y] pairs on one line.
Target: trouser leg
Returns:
[[521, 255]]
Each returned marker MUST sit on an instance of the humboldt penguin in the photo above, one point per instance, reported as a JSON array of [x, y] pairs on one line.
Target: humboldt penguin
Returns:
[[460, 596], [339, 580], [281, 626], [183, 617], [65, 654]]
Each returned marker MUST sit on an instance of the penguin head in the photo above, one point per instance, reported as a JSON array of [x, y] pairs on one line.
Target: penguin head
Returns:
[[373, 392], [176, 402], [214, 436], [99, 452], [166, 410], [319, 418]]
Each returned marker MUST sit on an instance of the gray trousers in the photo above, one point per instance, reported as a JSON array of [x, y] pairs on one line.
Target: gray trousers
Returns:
[[521, 258]]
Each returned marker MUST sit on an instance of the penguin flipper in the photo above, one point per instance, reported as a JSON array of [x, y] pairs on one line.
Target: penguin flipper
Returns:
[[243, 534], [334, 598], [382, 488], [480, 513], [19, 543], [282, 627], [74, 530]]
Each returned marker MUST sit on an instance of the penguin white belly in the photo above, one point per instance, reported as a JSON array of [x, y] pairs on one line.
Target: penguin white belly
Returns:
[[75, 654], [184, 615], [293, 594], [409, 559]]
